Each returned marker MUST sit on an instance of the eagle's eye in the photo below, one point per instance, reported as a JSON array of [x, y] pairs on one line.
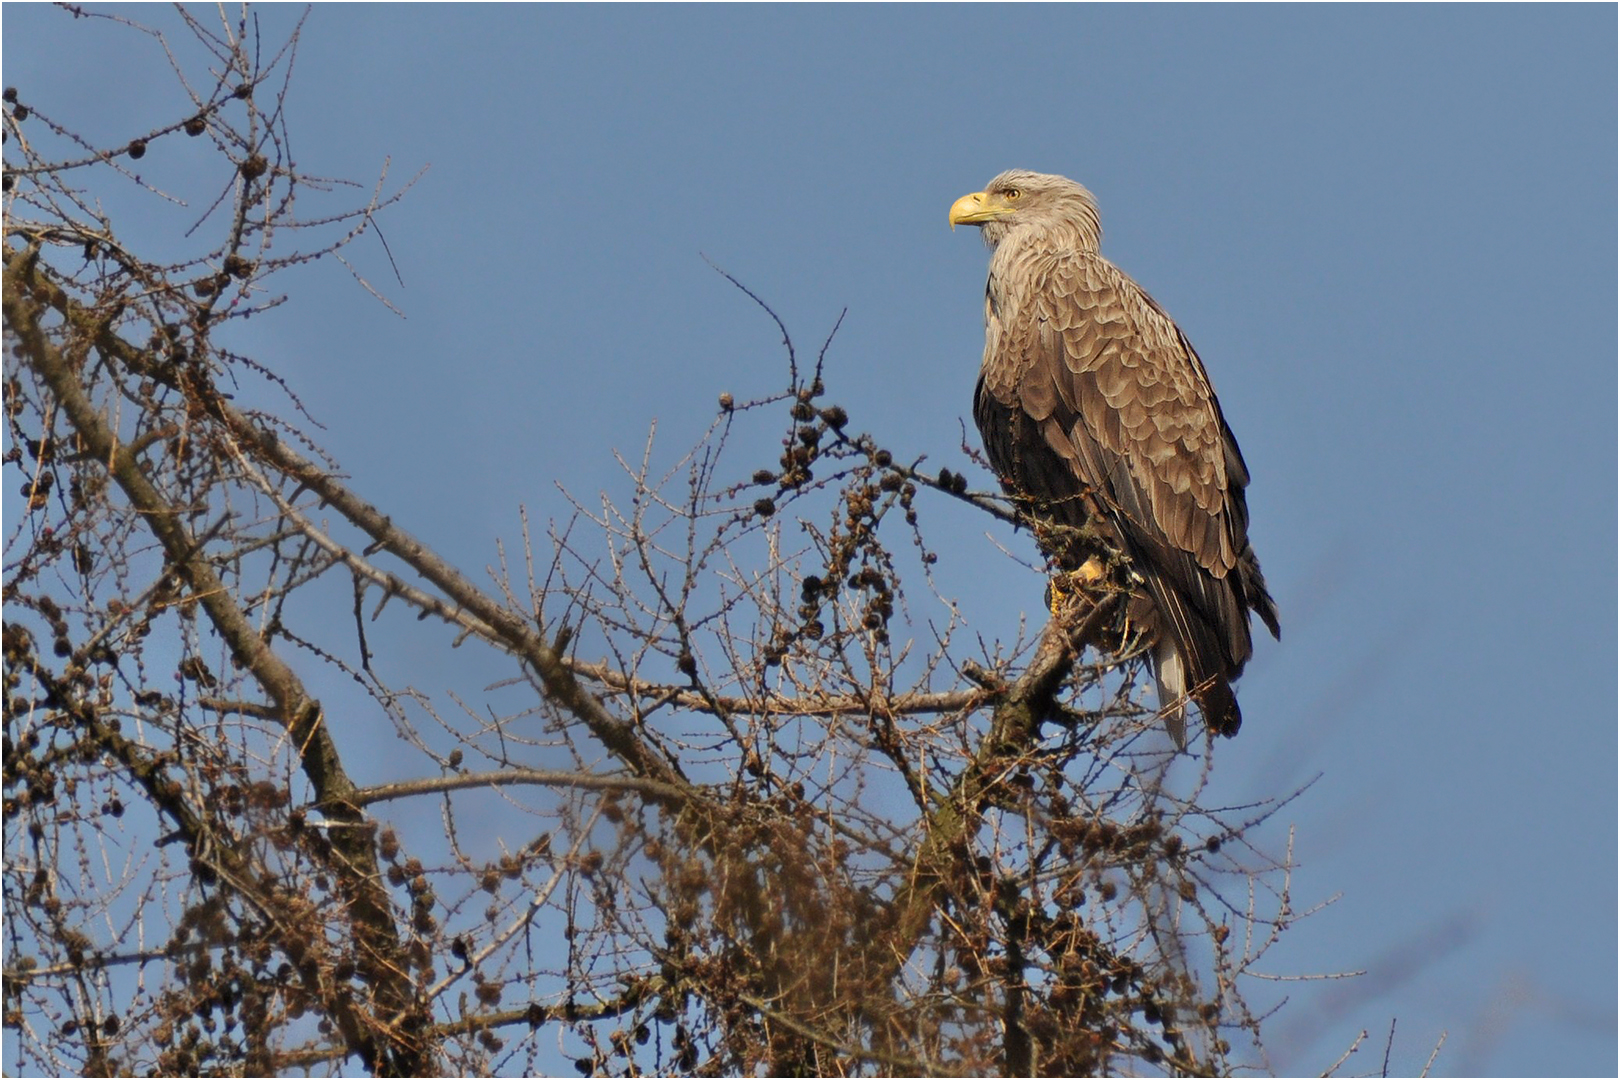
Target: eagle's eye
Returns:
[[1011, 193]]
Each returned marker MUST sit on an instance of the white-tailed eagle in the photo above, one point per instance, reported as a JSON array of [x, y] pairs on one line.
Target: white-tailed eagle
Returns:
[[1095, 408]]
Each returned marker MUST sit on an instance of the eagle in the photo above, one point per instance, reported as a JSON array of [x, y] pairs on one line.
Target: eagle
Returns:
[[1095, 409]]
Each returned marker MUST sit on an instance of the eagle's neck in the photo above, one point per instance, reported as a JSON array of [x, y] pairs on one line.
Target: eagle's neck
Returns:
[[1025, 256], [1021, 256]]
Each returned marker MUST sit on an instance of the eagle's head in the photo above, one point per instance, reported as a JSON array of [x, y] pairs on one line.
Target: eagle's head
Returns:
[[1053, 207]]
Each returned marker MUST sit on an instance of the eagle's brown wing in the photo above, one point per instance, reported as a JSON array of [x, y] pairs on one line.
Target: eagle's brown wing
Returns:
[[1088, 386]]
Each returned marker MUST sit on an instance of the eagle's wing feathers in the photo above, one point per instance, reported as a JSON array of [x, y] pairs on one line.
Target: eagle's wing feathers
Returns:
[[1117, 364], [1120, 398]]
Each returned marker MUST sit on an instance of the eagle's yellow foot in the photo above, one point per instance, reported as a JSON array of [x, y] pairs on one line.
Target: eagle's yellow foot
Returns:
[[1062, 586]]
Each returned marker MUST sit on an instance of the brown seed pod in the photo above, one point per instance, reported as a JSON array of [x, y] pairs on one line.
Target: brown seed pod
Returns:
[[196, 126], [254, 167], [136, 149]]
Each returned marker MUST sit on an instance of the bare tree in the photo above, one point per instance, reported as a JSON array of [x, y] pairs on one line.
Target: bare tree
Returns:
[[738, 807]]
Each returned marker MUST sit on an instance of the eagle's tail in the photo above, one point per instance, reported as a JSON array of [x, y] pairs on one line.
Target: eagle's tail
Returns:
[[1171, 678], [1213, 694]]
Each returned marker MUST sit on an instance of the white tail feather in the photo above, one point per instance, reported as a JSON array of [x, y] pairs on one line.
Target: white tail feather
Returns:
[[1170, 675]]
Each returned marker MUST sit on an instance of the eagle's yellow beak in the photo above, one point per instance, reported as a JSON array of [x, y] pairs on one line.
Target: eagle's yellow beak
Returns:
[[977, 208]]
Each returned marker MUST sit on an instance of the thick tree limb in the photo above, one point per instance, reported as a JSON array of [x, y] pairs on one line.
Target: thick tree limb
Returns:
[[1014, 727]]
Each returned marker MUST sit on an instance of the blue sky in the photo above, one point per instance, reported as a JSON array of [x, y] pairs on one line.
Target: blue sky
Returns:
[[1389, 231]]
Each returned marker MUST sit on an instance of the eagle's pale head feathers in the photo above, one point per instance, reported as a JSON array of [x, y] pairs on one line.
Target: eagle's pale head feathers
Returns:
[[1054, 208]]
